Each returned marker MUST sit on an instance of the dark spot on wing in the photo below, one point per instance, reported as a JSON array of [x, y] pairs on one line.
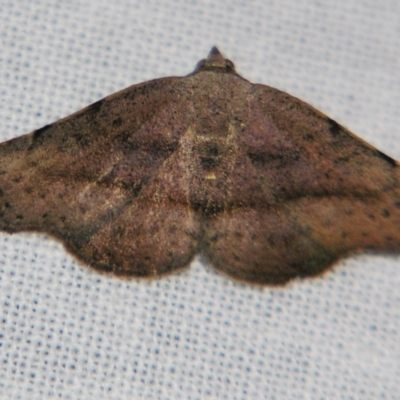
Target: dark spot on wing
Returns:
[[95, 107], [210, 156], [334, 128], [385, 213], [210, 162], [117, 122], [81, 138], [386, 158], [38, 134], [17, 179], [262, 158]]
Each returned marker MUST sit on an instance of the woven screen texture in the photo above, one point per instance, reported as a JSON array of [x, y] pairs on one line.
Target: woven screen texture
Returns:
[[67, 332]]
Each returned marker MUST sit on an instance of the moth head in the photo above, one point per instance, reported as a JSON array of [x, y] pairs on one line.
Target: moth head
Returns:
[[215, 62]]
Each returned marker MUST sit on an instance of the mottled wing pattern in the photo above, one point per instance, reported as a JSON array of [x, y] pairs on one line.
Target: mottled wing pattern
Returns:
[[83, 180], [260, 183], [319, 193]]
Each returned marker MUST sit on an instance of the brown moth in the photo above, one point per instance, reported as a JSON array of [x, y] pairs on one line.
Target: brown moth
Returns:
[[262, 185]]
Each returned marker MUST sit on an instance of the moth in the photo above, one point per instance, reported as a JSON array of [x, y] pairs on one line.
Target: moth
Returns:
[[260, 184]]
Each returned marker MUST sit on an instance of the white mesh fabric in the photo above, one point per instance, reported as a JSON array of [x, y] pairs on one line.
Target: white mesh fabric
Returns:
[[67, 332]]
